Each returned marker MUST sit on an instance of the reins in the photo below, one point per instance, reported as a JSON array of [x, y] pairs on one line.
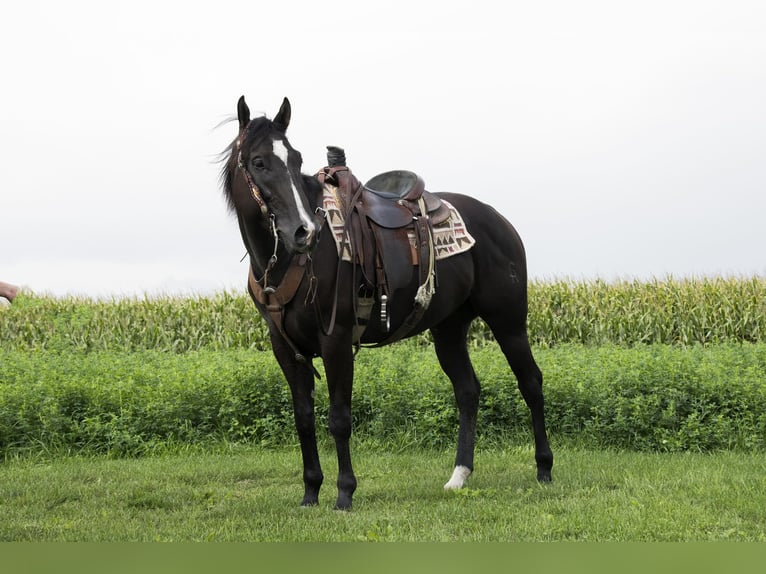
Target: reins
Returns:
[[346, 237]]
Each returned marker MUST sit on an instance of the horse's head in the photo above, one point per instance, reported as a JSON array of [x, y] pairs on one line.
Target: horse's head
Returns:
[[264, 178]]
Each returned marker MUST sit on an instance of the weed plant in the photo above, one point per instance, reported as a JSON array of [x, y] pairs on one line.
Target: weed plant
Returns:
[[646, 398]]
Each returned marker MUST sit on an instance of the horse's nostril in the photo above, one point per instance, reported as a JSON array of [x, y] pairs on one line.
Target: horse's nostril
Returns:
[[304, 235]]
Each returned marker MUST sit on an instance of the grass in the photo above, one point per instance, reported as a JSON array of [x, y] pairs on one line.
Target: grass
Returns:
[[240, 493]]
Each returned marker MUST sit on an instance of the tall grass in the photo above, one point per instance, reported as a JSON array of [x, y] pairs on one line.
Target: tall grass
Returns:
[[625, 313]]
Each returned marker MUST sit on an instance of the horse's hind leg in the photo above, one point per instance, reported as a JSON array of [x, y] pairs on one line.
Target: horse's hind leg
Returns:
[[451, 348], [515, 345]]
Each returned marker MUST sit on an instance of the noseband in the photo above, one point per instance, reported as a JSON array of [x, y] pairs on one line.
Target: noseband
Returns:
[[254, 191]]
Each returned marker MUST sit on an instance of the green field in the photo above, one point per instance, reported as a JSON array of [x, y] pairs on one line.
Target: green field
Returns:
[[168, 419], [252, 494]]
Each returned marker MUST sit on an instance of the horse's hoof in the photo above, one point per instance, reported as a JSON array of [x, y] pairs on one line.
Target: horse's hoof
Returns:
[[458, 478], [343, 503], [544, 476]]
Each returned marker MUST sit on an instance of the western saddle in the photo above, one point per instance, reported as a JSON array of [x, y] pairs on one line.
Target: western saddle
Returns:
[[388, 232]]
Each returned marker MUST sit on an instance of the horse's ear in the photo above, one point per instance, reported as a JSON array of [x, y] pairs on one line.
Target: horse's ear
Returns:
[[282, 119], [243, 113]]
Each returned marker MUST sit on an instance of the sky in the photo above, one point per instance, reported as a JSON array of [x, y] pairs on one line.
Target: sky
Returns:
[[624, 140]]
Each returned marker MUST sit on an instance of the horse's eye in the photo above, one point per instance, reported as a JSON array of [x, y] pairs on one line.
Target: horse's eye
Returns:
[[258, 163]]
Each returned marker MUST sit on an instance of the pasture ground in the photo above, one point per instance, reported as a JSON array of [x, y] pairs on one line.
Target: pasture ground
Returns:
[[243, 493]]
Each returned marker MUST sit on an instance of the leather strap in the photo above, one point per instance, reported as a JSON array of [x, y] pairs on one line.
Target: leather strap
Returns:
[[427, 275], [274, 299], [353, 189]]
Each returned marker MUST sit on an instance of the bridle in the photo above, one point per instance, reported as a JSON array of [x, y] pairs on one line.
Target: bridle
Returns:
[[254, 191]]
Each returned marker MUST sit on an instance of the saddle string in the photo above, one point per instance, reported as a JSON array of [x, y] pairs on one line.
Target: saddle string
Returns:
[[428, 288]]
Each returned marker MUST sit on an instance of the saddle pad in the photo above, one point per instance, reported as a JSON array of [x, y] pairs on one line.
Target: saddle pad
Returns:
[[450, 237]]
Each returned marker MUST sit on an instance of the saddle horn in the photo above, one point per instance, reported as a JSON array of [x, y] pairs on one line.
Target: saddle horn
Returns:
[[336, 157]]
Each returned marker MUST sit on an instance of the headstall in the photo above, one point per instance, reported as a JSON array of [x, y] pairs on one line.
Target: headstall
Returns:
[[254, 191]]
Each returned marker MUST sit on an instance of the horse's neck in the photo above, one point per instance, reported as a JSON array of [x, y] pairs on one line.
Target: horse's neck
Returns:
[[313, 191]]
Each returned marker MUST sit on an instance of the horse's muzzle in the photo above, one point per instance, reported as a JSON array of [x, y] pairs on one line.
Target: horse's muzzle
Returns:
[[304, 238]]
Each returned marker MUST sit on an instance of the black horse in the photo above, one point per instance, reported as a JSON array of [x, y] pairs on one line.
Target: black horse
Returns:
[[299, 282]]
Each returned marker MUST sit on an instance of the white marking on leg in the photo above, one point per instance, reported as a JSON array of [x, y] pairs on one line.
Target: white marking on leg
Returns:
[[280, 150], [459, 476]]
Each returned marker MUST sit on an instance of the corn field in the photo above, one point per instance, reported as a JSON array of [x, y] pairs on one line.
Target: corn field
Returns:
[[630, 313], [627, 313]]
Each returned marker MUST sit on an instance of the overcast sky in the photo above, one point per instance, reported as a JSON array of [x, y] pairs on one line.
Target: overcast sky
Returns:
[[622, 139]]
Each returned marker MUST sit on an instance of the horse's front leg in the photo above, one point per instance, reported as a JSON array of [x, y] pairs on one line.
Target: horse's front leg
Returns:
[[338, 358], [301, 381]]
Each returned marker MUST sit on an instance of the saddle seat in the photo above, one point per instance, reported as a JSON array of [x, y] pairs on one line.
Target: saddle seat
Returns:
[[397, 184], [393, 199]]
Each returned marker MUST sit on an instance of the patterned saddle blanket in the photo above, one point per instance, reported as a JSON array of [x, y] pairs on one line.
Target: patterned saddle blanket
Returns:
[[450, 237]]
